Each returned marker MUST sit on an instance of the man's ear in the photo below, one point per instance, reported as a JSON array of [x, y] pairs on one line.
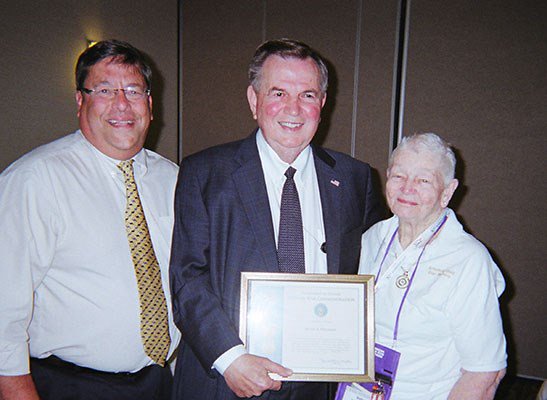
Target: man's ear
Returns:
[[79, 99], [252, 98]]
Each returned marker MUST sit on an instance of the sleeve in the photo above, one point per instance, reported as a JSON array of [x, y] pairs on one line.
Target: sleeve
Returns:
[[474, 314], [28, 233], [197, 309]]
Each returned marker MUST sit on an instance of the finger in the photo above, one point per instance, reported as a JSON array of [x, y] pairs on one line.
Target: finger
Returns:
[[278, 369], [276, 385]]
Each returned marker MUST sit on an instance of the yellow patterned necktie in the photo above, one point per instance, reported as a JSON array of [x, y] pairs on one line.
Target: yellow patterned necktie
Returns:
[[154, 325]]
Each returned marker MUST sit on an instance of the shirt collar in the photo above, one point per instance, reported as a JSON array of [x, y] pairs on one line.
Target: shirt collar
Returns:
[[140, 164], [276, 167]]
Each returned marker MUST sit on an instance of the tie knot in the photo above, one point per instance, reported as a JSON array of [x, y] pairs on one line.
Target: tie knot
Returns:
[[126, 167], [289, 173]]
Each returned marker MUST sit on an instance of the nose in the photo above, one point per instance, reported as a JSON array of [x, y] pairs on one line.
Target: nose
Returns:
[[120, 101], [408, 186], [292, 106]]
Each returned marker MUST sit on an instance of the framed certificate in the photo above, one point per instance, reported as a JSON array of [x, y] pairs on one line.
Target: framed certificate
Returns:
[[321, 326]]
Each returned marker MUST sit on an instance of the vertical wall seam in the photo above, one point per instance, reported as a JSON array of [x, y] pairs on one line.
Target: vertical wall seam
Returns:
[[356, 77], [399, 74], [264, 10], [402, 91], [179, 83]]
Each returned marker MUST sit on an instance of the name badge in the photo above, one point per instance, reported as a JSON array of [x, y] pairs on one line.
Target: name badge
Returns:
[[386, 361]]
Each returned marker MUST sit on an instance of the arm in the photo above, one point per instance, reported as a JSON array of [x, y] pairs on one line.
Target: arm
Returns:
[[475, 318], [27, 243], [197, 307], [476, 385], [17, 388], [207, 240]]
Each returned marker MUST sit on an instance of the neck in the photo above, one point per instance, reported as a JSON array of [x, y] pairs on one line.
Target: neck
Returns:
[[410, 230]]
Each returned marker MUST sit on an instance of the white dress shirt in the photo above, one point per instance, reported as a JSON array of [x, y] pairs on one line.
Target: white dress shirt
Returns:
[[307, 186], [68, 284]]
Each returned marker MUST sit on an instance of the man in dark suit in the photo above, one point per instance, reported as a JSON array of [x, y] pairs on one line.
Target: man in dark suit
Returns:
[[229, 218]]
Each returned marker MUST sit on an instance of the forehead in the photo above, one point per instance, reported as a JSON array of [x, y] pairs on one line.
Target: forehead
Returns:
[[417, 160], [291, 71], [109, 70]]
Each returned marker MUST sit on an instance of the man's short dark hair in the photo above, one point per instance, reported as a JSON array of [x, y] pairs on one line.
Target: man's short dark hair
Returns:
[[118, 51], [285, 48]]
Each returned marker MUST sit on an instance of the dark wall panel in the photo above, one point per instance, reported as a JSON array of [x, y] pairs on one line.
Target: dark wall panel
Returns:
[[377, 44], [40, 44], [219, 39], [329, 27], [476, 75]]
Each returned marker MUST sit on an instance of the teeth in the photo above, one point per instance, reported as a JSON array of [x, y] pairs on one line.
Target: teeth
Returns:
[[120, 122], [291, 125]]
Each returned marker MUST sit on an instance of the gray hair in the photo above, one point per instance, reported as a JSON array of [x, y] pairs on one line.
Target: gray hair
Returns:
[[285, 48], [434, 144]]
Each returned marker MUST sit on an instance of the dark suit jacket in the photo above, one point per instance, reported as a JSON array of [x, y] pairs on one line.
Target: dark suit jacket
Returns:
[[223, 226]]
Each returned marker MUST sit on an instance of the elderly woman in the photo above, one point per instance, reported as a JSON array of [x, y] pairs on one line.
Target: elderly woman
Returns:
[[437, 287]]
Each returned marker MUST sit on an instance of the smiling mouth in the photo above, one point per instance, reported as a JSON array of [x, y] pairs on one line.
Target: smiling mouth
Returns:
[[407, 202], [121, 123], [291, 125]]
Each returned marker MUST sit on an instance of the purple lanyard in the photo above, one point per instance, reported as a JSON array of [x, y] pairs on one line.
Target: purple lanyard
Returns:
[[396, 329]]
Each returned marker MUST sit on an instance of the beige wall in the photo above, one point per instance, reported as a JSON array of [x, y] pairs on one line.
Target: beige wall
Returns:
[[40, 44]]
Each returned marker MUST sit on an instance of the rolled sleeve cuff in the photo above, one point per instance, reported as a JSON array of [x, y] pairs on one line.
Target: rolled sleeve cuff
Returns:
[[14, 359], [491, 367], [225, 360]]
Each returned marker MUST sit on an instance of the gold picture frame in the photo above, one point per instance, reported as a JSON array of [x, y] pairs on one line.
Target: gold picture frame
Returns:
[[319, 325]]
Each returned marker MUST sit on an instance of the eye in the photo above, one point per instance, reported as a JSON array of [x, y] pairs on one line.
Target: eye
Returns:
[[132, 93], [310, 96], [104, 91], [424, 180]]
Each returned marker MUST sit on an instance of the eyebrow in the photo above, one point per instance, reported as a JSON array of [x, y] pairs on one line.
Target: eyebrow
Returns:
[[108, 83], [278, 89]]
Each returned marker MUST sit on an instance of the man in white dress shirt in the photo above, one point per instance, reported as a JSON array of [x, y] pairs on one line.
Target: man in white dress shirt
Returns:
[[70, 324]]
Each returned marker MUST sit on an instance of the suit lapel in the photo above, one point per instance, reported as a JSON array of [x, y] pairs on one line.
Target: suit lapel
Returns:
[[330, 190], [250, 184]]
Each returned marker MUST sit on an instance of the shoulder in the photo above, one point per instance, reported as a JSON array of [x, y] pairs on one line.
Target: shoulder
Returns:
[[377, 232], [220, 158], [469, 255], [340, 160], [51, 154], [158, 161], [218, 152], [462, 242]]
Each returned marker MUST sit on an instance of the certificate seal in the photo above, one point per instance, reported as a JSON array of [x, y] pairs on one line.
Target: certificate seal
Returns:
[[321, 310]]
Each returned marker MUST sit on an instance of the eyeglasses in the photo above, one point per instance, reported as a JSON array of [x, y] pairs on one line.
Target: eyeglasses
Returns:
[[106, 93]]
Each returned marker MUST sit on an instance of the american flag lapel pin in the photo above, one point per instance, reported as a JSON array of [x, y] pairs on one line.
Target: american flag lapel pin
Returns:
[[335, 182]]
